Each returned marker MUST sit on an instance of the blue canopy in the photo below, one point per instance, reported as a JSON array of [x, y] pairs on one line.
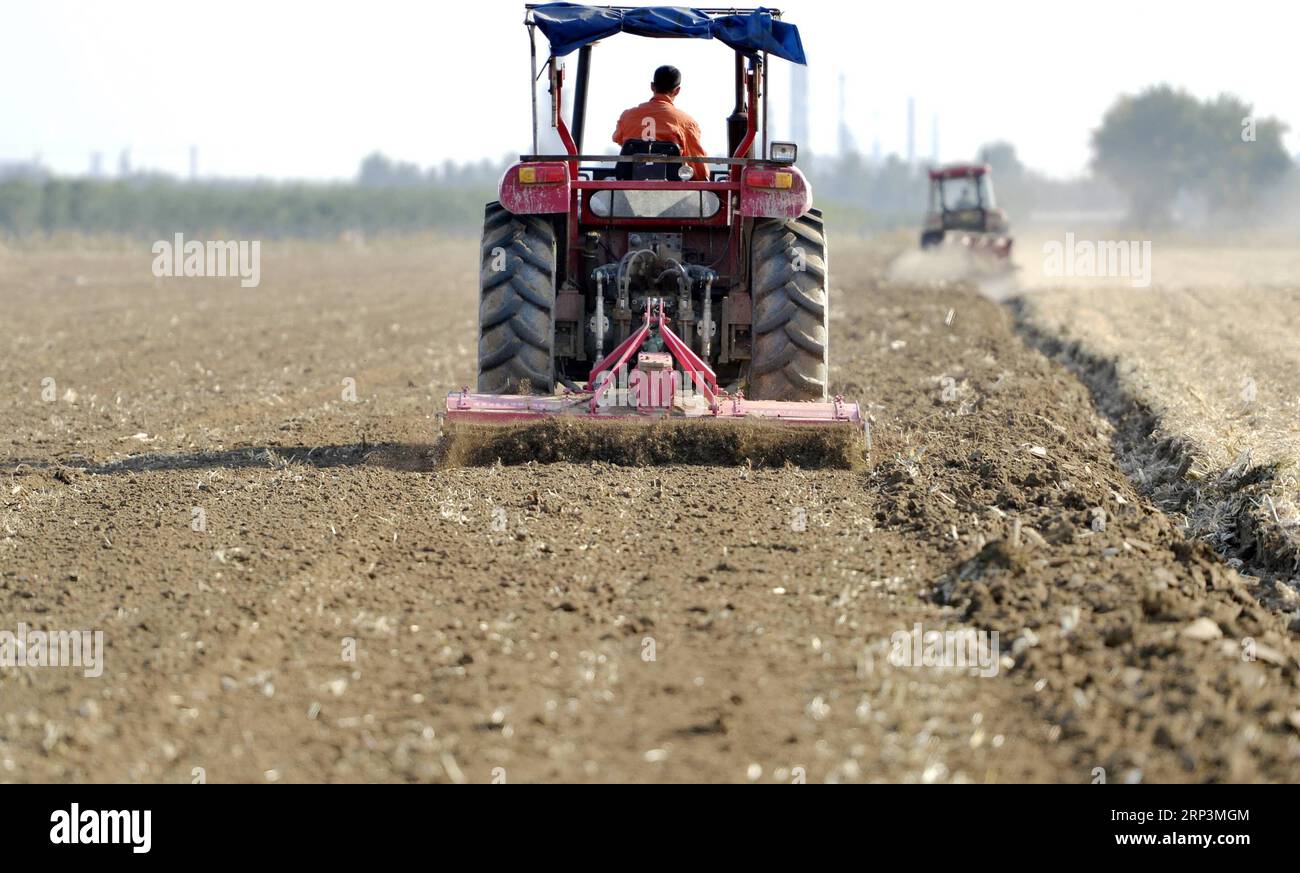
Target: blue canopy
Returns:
[[570, 26]]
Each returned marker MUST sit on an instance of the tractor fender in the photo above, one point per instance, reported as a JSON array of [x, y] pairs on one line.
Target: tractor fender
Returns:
[[538, 197], [768, 202]]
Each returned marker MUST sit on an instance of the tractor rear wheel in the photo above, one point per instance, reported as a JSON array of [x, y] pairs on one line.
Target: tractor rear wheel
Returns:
[[516, 340], [789, 269]]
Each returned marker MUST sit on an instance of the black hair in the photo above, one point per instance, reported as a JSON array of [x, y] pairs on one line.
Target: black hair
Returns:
[[667, 79]]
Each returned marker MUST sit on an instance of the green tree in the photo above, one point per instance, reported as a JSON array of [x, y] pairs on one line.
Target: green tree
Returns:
[[1241, 156], [1013, 183], [1002, 157], [1163, 142]]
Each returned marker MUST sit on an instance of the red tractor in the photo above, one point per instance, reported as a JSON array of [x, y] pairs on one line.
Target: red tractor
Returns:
[[962, 210], [605, 277]]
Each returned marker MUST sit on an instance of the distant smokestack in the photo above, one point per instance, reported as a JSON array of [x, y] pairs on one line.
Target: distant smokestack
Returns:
[[96, 164], [124, 163], [194, 162], [799, 105], [911, 130]]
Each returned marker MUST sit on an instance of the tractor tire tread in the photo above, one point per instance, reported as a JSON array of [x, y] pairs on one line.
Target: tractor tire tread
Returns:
[[516, 345], [791, 313]]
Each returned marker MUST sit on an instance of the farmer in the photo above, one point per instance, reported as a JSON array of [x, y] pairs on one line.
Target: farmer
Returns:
[[659, 120]]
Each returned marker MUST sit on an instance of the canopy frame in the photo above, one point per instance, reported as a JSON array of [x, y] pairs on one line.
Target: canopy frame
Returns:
[[745, 125]]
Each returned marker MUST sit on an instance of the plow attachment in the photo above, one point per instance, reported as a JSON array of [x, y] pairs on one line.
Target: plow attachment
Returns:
[[653, 400]]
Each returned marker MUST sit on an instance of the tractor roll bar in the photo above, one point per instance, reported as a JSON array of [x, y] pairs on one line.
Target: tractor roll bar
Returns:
[[532, 80], [580, 96], [751, 90]]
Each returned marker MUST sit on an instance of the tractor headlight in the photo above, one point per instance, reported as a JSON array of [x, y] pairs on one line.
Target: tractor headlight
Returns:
[[784, 152], [685, 173]]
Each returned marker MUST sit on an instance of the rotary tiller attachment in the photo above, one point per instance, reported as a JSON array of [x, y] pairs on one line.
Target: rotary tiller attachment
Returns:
[[667, 409]]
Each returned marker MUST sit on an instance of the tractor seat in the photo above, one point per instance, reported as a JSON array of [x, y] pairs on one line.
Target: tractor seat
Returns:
[[628, 171]]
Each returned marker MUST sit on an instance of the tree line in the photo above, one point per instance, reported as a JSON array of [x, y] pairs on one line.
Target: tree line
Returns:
[[1162, 155], [382, 198]]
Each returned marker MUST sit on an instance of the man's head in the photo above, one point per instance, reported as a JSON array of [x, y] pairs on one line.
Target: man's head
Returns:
[[668, 80]]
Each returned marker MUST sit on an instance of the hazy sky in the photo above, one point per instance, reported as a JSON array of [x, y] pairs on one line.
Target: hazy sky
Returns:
[[306, 89]]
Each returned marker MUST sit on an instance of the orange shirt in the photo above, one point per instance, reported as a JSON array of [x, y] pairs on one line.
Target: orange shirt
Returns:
[[658, 119]]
